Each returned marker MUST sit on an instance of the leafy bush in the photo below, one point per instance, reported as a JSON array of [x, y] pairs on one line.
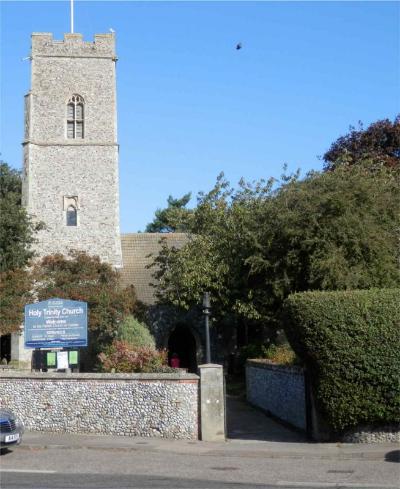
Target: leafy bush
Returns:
[[123, 357], [280, 354], [252, 350], [135, 333], [350, 342]]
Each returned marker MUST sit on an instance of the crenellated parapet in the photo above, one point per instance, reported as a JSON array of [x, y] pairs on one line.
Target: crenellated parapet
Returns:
[[73, 45]]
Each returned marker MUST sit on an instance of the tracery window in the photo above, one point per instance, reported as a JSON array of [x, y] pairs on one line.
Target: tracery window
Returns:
[[75, 117]]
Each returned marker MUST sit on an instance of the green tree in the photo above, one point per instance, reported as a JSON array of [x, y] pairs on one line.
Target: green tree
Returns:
[[85, 278], [214, 258], [379, 144], [17, 230], [331, 231], [17, 234], [15, 292], [174, 218], [252, 246]]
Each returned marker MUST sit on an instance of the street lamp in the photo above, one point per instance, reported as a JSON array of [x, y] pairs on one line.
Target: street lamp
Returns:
[[207, 312]]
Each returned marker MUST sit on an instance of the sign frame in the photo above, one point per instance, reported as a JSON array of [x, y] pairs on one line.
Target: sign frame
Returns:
[[56, 323]]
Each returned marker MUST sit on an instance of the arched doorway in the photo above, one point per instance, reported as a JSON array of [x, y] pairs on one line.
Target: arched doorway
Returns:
[[182, 342], [5, 347]]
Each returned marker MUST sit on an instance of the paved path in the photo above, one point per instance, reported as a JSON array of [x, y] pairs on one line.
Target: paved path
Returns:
[[247, 423]]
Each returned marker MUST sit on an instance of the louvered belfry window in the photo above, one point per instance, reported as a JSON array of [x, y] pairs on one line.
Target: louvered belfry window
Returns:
[[75, 117]]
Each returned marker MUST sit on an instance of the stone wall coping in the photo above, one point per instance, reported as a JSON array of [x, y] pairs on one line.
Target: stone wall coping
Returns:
[[268, 365], [154, 377], [210, 365]]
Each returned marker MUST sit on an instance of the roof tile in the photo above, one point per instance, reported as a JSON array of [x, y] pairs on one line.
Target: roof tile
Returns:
[[138, 251]]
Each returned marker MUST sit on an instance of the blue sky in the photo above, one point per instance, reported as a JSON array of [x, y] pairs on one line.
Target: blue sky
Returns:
[[190, 105]]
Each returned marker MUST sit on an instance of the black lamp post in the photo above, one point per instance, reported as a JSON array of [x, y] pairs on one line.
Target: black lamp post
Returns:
[[207, 312]]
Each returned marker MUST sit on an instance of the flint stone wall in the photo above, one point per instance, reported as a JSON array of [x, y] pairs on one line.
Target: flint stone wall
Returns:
[[278, 390], [372, 434], [149, 405]]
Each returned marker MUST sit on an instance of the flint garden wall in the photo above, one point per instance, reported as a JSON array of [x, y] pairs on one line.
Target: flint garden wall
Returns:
[[150, 405], [278, 390], [283, 392]]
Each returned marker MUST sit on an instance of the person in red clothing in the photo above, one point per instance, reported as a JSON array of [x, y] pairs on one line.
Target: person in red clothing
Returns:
[[175, 362]]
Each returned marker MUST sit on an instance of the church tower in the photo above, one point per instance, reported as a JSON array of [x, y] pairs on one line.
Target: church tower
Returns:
[[70, 146]]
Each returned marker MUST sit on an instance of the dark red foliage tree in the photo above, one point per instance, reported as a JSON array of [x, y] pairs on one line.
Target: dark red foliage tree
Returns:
[[378, 145]]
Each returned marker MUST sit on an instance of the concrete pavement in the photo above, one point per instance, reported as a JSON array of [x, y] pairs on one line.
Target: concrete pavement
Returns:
[[236, 448]]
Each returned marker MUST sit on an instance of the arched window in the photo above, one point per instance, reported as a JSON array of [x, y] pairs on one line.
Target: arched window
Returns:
[[75, 117], [72, 216]]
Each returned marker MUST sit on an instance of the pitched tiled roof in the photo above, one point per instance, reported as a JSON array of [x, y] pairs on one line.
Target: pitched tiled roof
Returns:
[[136, 248]]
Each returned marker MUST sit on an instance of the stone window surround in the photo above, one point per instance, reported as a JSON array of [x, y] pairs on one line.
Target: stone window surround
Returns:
[[71, 201]]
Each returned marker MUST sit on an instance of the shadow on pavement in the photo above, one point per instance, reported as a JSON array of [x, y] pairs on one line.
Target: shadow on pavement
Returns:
[[247, 423], [5, 451], [393, 456]]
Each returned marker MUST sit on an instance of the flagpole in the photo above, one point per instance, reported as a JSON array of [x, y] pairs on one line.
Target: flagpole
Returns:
[[72, 16]]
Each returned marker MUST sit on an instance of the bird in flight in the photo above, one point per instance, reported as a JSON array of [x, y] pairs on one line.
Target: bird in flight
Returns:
[[238, 46]]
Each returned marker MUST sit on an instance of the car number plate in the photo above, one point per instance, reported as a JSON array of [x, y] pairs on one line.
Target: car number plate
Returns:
[[10, 438]]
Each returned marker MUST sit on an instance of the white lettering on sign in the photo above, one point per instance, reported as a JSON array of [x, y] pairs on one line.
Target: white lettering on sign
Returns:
[[65, 311], [52, 312], [77, 310], [35, 312]]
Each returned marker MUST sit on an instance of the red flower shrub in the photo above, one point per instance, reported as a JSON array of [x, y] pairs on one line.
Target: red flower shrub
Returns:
[[123, 357]]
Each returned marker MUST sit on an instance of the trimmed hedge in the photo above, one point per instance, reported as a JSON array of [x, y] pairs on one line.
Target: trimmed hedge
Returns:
[[350, 343]]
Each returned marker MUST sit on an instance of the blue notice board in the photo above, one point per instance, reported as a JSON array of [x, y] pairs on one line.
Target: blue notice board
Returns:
[[56, 323]]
